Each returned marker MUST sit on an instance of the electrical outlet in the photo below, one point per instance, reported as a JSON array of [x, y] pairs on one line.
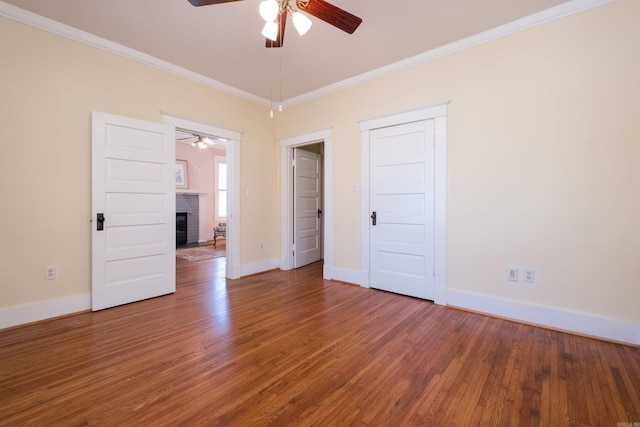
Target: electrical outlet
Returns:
[[529, 275], [50, 272], [512, 274]]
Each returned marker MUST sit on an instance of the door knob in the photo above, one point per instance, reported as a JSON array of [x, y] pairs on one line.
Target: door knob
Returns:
[[374, 218], [100, 221]]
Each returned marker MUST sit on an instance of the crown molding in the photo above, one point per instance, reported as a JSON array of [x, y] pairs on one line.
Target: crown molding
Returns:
[[55, 27], [566, 9]]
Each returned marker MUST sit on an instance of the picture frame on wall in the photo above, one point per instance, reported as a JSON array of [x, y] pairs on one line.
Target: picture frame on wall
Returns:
[[181, 174]]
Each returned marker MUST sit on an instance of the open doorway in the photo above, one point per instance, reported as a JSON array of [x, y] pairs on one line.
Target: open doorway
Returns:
[[316, 141], [201, 188], [229, 198]]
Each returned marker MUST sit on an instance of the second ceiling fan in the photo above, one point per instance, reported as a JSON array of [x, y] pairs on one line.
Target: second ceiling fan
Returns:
[[275, 13]]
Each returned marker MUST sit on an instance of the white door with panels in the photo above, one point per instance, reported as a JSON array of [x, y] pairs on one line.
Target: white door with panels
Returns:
[[402, 217], [307, 207], [133, 210]]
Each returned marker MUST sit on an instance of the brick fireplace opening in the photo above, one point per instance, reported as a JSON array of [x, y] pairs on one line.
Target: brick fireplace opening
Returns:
[[181, 228], [188, 212]]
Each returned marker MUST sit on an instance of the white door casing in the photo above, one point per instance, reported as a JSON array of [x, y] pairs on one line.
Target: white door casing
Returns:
[[439, 115], [233, 266], [133, 186], [307, 217], [286, 202], [402, 209]]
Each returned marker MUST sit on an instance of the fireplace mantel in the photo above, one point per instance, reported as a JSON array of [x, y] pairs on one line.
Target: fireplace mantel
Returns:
[[202, 231], [189, 191]]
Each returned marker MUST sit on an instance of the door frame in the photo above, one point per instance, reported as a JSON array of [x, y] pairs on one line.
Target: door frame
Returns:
[[439, 114], [287, 197], [233, 138]]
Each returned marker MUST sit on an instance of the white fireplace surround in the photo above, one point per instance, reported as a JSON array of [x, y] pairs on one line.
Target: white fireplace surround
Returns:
[[202, 231]]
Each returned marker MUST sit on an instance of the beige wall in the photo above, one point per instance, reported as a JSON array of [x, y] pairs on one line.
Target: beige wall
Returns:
[[49, 86], [543, 145]]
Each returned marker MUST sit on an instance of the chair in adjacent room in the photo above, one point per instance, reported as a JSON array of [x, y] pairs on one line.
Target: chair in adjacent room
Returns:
[[219, 231]]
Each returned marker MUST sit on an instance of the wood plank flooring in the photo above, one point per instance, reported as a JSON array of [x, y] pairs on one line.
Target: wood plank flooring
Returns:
[[289, 349]]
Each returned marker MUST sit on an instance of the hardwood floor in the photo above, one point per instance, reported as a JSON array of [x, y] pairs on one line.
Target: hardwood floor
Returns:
[[289, 349]]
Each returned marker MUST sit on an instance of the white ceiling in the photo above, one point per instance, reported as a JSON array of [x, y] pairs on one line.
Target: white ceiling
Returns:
[[223, 42]]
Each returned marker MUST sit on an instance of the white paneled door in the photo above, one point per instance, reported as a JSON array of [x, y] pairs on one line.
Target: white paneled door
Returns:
[[133, 210], [307, 206], [402, 254]]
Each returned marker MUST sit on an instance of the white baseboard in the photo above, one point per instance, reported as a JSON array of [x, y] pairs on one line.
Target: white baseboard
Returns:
[[581, 323], [259, 267], [440, 296], [343, 275], [34, 312]]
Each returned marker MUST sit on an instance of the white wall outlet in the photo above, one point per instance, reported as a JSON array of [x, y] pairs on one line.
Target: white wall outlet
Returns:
[[512, 274], [50, 272], [529, 275]]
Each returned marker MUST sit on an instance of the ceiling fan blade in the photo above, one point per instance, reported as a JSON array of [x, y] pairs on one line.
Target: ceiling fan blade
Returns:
[[282, 23], [331, 14], [208, 2]]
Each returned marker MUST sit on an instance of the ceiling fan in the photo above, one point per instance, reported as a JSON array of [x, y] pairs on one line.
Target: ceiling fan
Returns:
[[274, 12], [197, 141]]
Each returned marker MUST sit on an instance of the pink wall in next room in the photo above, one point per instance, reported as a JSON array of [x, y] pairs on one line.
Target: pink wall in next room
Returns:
[[201, 176]]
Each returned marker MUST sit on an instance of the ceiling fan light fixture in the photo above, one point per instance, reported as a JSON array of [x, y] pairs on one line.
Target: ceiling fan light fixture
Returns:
[[270, 31], [202, 142], [269, 10], [301, 22]]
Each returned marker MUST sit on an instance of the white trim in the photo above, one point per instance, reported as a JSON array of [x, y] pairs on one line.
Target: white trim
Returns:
[[233, 209], [425, 113], [440, 198], [55, 27], [43, 310], [582, 323], [286, 198], [186, 123], [344, 275], [549, 15], [437, 113], [233, 183]]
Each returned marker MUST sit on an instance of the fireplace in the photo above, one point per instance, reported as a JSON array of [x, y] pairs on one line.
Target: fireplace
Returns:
[[181, 228], [188, 206]]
